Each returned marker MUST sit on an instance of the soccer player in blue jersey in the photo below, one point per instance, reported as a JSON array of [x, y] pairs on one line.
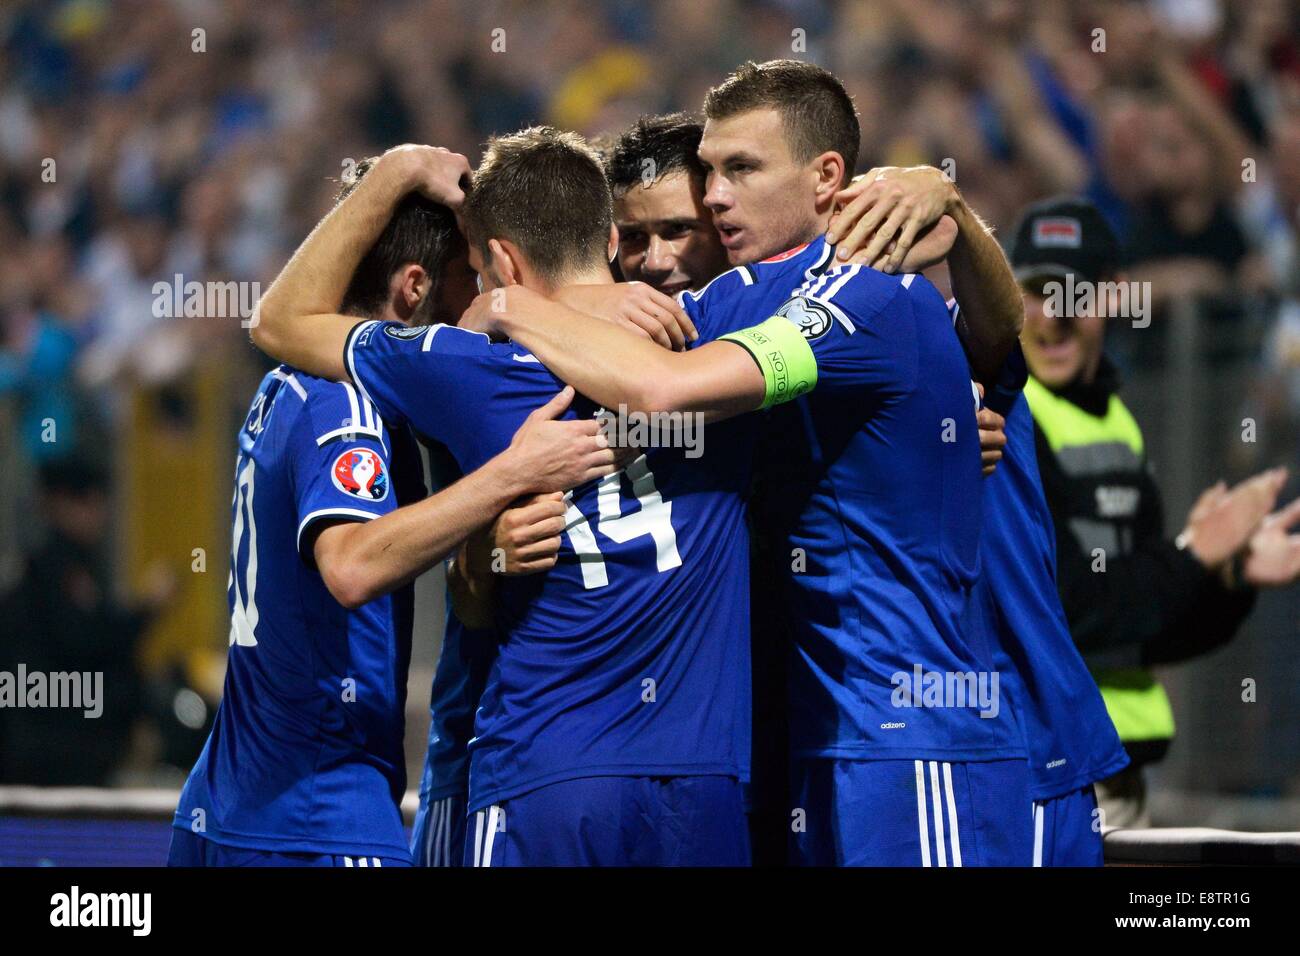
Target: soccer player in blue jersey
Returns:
[[522, 540], [901, 743], [438, 838], [665, 237], [464, 659], [1072, 742], [614, 727], [305, 765]]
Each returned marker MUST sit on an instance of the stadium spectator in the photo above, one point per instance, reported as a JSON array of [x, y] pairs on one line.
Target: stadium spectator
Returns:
[[1134, 599], [70, 623]]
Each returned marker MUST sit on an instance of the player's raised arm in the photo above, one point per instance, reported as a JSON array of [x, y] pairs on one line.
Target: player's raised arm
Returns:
[[297, 321], [892, 207], [616, 367]]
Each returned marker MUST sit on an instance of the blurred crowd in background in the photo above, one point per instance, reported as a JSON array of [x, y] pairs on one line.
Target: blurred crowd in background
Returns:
[[147, 141]]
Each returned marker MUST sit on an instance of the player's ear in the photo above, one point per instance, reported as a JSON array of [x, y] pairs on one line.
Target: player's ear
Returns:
[[406, 288], [611, 250], [414, 285], [506, 262], [830, 169]]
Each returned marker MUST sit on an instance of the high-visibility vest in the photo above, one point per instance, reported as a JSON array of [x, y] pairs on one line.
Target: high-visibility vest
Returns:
[[1086, 445]]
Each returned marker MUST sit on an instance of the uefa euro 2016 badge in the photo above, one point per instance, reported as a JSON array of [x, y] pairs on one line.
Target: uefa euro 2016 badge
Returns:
[[360, 472]]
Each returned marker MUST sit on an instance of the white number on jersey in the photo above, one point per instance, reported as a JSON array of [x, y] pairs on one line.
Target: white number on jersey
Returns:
[[654, 518], [243, 619]]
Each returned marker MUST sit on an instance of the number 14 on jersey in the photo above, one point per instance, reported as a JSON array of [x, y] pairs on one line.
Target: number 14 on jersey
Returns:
[[653, 518]]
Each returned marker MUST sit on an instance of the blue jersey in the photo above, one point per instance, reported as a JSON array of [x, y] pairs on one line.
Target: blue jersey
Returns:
[[306, 755], [631, 655], [1070, 737], [458, 684], [458, 681], [438, 836], [874, 488]]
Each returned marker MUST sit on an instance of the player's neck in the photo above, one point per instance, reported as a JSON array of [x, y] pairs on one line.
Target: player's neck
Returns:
[[389, 314], [814, 230], [819, 226], [823, 223], [593, 276]]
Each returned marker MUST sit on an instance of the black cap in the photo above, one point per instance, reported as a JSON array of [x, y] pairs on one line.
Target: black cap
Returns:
[[1065, 234]]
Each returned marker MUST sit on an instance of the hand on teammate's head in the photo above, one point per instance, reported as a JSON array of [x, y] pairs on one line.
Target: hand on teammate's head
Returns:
[[432, 171]]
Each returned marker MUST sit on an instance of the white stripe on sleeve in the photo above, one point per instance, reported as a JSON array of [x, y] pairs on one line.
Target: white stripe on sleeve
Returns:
[[355, 419], [849, 273]]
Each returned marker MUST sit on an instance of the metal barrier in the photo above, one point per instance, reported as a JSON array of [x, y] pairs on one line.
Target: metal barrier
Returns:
[[1201, 846]]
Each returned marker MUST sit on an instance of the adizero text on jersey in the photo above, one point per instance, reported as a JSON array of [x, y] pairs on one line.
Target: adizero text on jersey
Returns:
[[631, 656], [305, 755]]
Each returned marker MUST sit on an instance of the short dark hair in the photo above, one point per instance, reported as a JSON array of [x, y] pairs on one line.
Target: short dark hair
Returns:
[[421, 231], [817, 113], [652, 147], [545, 191]]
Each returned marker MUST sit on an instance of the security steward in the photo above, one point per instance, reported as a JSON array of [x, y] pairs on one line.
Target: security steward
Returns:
[[1134, 598]]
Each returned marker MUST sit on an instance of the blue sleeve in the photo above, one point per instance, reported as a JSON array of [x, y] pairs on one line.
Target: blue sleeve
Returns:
[[1003, 393], [714, 322], [695, 312], [849, 330], [861, 328], [434, 377], [338, 457]]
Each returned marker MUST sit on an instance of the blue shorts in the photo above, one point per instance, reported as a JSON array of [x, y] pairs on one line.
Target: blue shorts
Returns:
[[615, 821], [1067, 830], [438, 838], [910, 813], [190, 849]]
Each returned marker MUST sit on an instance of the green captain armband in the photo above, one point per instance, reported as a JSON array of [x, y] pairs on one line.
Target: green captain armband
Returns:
[[784, 357]]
